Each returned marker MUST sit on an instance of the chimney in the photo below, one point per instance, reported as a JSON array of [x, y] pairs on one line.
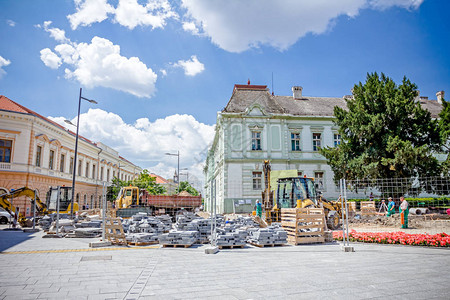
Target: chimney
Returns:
[[417, 98], [297, 92], [440, 96]]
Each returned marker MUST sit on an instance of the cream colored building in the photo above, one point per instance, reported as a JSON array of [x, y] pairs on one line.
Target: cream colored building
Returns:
[[255, 126], [38, 153]]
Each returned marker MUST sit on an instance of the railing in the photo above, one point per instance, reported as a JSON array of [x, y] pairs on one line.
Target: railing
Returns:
[[5, 166]]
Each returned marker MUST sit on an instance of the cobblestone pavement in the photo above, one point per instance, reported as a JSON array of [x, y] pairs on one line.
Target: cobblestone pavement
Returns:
[[37, 268]]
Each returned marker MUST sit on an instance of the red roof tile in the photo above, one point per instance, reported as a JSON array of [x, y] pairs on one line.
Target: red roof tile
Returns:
[[159, 179], [9, 105], [249, 87]]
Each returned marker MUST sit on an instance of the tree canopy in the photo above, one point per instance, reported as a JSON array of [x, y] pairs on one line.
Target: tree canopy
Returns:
[[186, 186], [444, 126], [385, 133], [143, 181]]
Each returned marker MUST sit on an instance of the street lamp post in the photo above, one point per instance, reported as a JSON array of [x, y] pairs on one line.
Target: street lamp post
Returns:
[[76, 148], [178, 173]]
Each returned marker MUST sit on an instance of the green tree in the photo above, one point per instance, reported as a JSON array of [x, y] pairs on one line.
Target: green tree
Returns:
[[143, 181], [186, 186], [385, 133], [444, 127]]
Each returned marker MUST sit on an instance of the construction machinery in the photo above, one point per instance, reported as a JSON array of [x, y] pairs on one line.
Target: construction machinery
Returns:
[[65, 200], [296, 192], [6, 195], [42, 208], [132, 200], [128, 197]]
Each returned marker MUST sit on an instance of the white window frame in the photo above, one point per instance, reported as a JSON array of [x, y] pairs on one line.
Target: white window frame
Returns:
[[256, 140], [257, 180], [295, 141], [317, 142]]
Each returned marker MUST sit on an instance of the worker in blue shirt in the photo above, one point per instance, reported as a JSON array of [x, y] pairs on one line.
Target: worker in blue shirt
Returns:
[[391, 207]]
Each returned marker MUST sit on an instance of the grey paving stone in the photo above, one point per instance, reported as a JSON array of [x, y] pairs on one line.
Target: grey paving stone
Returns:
[[302, 272]]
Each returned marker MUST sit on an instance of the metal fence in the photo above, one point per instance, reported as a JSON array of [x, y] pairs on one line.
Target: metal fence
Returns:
[[428, 199]]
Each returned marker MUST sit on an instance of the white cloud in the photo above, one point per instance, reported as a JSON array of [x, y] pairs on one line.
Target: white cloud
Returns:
[[68, 53], [11, 23], [50, 58], [190, 27], [191, 67], [130, 13], [163, 72], [384, 4], [58, 34], [100, 64], [145, 142], [3, 63], [239, 26], [89, 11]]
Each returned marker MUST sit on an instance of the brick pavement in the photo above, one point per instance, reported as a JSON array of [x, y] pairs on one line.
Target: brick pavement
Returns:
[[302, 272]]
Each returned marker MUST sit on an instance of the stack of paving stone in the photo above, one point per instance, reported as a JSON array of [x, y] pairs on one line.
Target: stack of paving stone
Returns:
[[141, 223], [229, 239], [89, 224], [271, 235], [246, 221], [184, 220], [45, 222], [87, 232], [176, 237], [142, 238], [64, 226], [203, 226], [166, 220]]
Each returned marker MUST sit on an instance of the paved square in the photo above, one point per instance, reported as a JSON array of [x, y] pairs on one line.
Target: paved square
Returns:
[[37, 268]]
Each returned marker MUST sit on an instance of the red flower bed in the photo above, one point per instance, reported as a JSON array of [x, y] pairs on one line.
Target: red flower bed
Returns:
[[434, 240]]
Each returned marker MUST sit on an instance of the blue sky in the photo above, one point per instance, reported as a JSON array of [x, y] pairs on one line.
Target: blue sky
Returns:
[[160, 70]]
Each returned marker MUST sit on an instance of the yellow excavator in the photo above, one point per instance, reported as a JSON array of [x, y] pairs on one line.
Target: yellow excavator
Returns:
[[6, 195], [128, 197], [65, 200], [296, 192], [41, 207]]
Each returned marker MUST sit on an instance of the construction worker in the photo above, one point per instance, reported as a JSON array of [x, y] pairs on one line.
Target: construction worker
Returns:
[[391, 207], [258, 209], [404, 211]]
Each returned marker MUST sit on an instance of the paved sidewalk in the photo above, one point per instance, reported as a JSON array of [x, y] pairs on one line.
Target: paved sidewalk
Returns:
[[301, 272]]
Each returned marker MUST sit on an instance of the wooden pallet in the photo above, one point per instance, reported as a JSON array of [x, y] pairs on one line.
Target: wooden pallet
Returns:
[[368, 208], [266, 245], [230, 246], [114, 232], [143, 243], [175, 246], [296, 220]]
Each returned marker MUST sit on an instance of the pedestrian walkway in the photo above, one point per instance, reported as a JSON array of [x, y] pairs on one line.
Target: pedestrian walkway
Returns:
[[38, 268]]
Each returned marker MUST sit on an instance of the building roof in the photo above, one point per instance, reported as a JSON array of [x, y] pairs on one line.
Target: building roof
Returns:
[[7, 104], [245, 96], [159, 179]]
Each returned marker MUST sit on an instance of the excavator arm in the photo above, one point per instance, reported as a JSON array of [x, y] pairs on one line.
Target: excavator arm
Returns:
[[5, 203]]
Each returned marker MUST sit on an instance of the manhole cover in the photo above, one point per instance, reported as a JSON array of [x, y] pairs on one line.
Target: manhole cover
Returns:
[[91, 258]]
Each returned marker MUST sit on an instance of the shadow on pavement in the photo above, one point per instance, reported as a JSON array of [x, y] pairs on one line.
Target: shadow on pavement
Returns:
[[10, 238]]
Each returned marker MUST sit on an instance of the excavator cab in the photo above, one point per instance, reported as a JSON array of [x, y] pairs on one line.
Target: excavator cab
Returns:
[[65, 199], [128, 197], [296, 192]]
